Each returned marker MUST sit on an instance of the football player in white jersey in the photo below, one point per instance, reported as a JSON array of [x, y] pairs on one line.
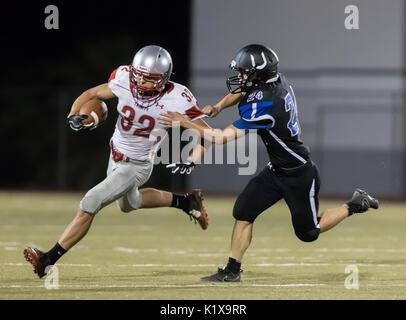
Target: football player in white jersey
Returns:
[[144, 91]]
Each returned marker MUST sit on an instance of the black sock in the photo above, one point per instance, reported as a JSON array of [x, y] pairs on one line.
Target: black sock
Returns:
[[352, 208], [233, 265], [180, 201], [55, 253]]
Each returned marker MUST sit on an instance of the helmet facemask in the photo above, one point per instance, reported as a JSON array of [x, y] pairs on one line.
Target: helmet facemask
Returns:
[[242, 82], [147, 92]]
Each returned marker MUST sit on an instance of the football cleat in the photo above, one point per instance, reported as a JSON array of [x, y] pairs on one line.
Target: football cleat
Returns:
[[38, 259], [196, 209], [362, 201], [223, 275]]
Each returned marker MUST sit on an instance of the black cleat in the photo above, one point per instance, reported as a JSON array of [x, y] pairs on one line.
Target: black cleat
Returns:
[[361, 201], [223, 275], [196, 209]]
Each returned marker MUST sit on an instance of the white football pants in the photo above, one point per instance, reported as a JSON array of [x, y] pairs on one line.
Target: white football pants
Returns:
[[121, 185]]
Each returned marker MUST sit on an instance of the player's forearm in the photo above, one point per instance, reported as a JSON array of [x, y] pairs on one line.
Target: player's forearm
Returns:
[[101, 92], [80, 101], [217, 136]]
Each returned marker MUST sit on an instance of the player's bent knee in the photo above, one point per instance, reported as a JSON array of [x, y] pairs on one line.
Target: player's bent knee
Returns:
[[241, 212], [308, 236], [124, 206], [130, 202], [91, 204]]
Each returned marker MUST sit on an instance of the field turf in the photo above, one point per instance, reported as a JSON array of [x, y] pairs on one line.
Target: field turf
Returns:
[[159, 254]]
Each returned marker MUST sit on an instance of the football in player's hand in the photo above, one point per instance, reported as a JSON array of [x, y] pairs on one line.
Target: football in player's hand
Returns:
[[96, 111]]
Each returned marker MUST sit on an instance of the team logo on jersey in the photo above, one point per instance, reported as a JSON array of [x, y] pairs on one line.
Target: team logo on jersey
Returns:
[[257, 95], [158, 105]]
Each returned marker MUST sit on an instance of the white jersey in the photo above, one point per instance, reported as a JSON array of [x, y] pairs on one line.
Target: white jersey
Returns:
[[132, 135]]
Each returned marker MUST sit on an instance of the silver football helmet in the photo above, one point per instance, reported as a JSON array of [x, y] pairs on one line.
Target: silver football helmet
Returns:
[[153, 64]]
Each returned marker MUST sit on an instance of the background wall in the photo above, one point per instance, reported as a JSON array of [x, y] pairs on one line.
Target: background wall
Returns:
[[349, 84]]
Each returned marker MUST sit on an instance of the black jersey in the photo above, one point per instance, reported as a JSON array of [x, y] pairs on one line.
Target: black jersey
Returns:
[[272, 111]]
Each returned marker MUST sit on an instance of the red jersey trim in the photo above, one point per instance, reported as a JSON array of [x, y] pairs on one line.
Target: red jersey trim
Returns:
[[194, 112], [172, 86], [113, 75]]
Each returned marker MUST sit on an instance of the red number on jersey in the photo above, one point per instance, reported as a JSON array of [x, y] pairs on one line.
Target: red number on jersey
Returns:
[[128, 120], [186, 93], [144, 132]]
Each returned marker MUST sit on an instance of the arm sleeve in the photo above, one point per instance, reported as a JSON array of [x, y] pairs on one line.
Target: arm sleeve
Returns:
[[187, 104]]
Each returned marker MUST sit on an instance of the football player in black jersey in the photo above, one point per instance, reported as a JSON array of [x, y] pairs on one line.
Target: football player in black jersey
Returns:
[[267, 104]]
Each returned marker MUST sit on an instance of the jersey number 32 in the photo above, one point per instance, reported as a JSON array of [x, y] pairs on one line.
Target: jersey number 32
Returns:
[[128, 120]]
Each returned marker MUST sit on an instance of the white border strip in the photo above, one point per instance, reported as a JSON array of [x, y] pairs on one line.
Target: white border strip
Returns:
[[313, 205], [286, 147]]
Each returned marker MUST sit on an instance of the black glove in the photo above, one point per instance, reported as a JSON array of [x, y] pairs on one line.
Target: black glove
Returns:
[[182, 168], [75, 122]]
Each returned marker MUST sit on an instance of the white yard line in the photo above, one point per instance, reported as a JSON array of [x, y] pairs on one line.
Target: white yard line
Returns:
[[166, 265], [171, 285], [264, 265], [9, 243], [20, 264], [203, 265], [124, 286], [135, 250], [252, 285]]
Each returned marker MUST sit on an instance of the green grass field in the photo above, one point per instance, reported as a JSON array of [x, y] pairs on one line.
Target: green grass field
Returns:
[[160, 254]]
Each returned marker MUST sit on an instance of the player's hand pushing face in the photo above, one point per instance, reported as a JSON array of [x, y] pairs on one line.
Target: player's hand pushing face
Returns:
[[171, 119]]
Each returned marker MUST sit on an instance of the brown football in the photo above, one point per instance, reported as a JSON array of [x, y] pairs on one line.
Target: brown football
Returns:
[[96, 110]]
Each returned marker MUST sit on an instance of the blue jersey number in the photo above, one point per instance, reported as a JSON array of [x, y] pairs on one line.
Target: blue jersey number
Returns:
[[290, 106]]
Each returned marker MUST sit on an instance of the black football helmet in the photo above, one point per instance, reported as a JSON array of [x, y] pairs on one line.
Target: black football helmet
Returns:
[[256, 65]]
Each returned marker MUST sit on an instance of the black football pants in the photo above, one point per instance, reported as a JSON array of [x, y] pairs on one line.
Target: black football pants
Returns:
[[299, 187]]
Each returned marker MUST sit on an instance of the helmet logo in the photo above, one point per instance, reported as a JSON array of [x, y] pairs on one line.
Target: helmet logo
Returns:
[[142, 68], [260, 66], [233, 64]]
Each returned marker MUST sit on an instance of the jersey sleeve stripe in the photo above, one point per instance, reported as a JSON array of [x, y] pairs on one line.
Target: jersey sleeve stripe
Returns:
[[255, 110], [245, 125], [194, 113]]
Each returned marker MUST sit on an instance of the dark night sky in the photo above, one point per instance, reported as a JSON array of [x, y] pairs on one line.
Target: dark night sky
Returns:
[[26, 42], [40, 66]]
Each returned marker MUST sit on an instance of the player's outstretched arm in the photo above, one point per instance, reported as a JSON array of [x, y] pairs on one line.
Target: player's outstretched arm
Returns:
[[217, 136], [228, 101], [193, 159], [199, 150], [102, 92]]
